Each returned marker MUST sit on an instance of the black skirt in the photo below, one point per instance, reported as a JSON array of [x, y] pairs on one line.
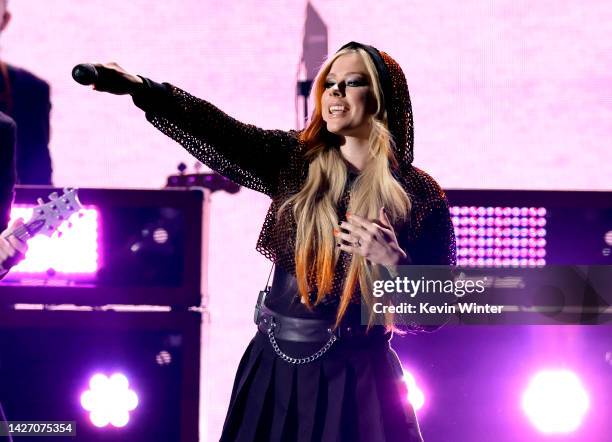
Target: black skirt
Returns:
[[355, 392]]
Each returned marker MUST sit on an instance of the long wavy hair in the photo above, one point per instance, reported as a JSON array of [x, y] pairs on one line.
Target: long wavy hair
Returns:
[[314, 206]]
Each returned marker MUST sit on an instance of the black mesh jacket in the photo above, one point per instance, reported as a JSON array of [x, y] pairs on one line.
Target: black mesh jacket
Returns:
[[272, 162]]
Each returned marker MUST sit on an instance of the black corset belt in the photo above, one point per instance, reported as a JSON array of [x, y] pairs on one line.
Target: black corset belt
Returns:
[[310, 330]]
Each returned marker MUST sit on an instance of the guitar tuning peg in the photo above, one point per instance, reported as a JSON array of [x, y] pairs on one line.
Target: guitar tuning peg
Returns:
[[40, 201], [53, 196]]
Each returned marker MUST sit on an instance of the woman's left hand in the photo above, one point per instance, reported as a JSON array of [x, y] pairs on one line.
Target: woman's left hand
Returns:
[[374, 240]]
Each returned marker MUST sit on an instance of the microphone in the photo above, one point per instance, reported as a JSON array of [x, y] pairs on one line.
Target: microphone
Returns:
[[85, 74]]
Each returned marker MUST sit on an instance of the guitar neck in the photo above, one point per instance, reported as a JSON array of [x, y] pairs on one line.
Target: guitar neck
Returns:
[[24, 232], [47, 217]]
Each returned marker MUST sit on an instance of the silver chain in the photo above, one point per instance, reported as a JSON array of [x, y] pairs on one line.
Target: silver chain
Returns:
[[299, 361]]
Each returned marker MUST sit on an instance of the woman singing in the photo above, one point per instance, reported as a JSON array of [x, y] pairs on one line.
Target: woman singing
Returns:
[[346, 203]]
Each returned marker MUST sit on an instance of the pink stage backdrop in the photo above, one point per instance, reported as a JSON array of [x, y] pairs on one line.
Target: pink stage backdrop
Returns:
[[506, 94]]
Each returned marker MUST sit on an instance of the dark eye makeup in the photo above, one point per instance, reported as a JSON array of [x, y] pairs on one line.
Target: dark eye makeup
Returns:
[[357, 82]]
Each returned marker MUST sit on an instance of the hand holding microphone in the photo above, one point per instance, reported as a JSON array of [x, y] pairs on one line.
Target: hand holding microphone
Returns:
[[108, 77]]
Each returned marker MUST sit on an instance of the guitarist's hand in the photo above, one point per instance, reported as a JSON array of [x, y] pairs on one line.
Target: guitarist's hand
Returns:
[[12, 250]]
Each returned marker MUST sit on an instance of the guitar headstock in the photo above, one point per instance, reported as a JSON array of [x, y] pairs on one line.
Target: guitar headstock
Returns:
[[47, 217]]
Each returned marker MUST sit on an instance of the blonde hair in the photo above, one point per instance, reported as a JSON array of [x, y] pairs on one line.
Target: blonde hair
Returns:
[[315, 205]]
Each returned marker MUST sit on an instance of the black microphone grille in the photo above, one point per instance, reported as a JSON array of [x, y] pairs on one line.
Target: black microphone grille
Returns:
[[85, 73]]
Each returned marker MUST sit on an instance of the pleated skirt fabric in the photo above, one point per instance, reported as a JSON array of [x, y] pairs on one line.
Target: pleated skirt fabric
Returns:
[[353, 393]]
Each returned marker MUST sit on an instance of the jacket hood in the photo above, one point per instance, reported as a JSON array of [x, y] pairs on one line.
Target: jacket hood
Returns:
[[396, 100]]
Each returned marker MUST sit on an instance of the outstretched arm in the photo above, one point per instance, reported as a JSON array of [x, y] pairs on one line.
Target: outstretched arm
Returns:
[[246, 154]]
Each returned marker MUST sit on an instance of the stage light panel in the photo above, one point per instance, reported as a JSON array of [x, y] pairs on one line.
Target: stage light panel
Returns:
[[500, 236], [73, 249], [109, 400]]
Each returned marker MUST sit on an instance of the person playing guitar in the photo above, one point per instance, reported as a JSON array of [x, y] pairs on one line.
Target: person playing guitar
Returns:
[[11, 248]]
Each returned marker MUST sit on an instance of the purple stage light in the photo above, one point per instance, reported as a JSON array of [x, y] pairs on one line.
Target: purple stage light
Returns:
[[73, 249], [555, 401], [163, 358], [500, 232], [608, 238], [160, 235], [415, 395], [109, 400]]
